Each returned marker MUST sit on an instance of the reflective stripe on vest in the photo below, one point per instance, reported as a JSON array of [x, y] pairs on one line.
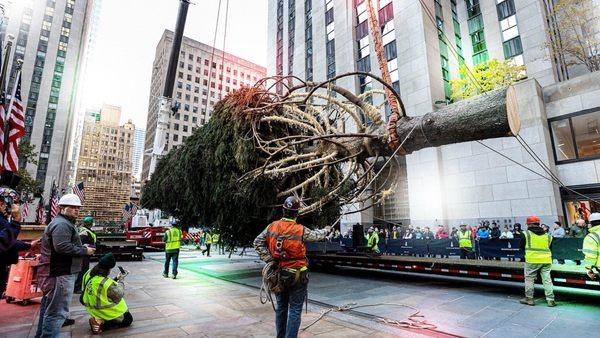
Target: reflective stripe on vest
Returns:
[[83, 230], [96, 301], [464, 239], [173, 239], [537, 248], [591, 249]]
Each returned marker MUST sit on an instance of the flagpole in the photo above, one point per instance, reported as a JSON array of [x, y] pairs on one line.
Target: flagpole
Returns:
[[5, 63]]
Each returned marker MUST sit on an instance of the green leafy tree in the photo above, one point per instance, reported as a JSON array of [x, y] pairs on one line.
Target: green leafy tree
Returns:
[[199, 183], [484, 77], [28, 187]]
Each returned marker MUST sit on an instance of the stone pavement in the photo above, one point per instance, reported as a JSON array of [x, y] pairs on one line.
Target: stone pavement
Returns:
[[195, 305]]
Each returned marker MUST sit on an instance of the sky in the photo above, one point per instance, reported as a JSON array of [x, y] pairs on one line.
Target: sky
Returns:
[[120, 67]]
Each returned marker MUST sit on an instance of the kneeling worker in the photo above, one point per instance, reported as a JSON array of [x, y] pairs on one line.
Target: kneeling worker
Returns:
[[282, 242], [538, 258], [103, 297]]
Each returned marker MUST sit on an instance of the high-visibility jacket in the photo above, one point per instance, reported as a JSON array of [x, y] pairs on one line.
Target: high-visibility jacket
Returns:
[[372, 241], [537, 248], [289, 234], [173, 239], [208, 239], [83, 231], [215, 238], [591, 247], [465, 239], [394, 234], [96, 301]]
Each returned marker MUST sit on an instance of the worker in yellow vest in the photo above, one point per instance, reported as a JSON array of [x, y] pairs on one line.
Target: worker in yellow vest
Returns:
[[465, 242], [538, 258], [88, 237], [373, 240], [102, 297], [215, 242], [172, 239], [591, 247], [208, 242]]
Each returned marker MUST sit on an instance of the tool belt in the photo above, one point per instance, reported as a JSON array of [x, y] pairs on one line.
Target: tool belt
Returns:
[[290, 277]]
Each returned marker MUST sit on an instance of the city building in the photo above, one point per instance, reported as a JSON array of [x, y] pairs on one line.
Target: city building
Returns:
[[204, 76], [424, 46], [49, 38], [136, 190], [105, 163], [138, 152]]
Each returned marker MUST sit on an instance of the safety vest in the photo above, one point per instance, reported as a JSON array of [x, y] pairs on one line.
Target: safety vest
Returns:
[[591, 247], [83, 230], [173, 239], [394, 234], [96, 301], [208, 239], [537, 248], [215, 238], [372, 241], [464, 239], [289, 234]]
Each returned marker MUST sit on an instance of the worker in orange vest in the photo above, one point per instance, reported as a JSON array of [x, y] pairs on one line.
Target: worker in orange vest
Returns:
[[282, 243]]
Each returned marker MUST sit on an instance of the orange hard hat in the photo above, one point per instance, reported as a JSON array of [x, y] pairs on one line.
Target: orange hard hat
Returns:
[[532, 219]]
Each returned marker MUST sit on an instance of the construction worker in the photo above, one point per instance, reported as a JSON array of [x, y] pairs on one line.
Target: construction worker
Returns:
[[103, 297], [591, 247], [88, 237], [372, 240], [538, 258], [282, 244], [215, 242], [208, 243], [465, 242], [172, 239]]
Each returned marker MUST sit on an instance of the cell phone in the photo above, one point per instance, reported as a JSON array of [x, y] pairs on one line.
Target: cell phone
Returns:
[[122, 270]]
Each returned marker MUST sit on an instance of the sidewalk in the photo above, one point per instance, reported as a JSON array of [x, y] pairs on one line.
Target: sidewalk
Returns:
[[194, 305]]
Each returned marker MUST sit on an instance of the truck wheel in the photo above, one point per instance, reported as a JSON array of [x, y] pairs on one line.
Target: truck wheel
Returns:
[[9, 299], [24, 302]]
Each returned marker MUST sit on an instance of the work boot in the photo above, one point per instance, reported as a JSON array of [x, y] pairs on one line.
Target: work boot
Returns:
[[527, 301], [551, 303], [174, 276], [166, 275], [95, 326], [68, 322]]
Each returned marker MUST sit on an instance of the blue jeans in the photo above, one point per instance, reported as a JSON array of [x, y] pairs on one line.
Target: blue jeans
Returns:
[[54, 309], [289, 310], [175, 257]]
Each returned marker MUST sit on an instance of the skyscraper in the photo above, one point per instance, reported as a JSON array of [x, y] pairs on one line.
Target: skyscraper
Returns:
[[105, 163], [138, 152], [203, 78], [425, 42], [49, 38]]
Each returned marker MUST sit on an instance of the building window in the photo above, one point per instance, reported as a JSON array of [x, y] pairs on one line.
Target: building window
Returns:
[[505, 9], [577, 136], [512, 47]]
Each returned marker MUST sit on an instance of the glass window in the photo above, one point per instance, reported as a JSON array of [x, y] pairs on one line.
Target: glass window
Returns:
[[563, 140], [587, 134]]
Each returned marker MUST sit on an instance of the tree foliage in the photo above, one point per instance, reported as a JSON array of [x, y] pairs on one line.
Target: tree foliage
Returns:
[[574, 33], [28, 186], [199, 182], [485, 77]]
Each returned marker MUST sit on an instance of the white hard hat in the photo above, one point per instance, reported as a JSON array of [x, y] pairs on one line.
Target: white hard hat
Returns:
[[69, 200], [595, 216]]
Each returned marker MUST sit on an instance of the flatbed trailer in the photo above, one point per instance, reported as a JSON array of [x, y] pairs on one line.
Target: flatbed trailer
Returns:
[[562, 275]]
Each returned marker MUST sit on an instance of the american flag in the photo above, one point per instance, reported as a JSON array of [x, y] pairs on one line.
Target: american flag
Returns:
[[54, 208], [25, 209], [126, 212], [2, 119], [39, 218], [78, 190], [15, 128], [133, 208]]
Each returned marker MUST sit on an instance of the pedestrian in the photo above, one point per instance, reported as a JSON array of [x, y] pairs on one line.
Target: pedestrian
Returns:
[[465, 242], [216, 245], [428, 234], [483, 232], [591, 247], [538, 259], [395, 233], [285, 238], [172, 239], [546, 228], [454, 233], [60, 262], [495, 232], [579, 230], [418, 234], [506, 234], [88, 237], [103, 297], [441, 233], [409, 234], [558, 231], [207, 242]]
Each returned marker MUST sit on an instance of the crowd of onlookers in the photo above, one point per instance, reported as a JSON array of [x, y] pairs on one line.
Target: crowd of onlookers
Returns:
[[485, 230]]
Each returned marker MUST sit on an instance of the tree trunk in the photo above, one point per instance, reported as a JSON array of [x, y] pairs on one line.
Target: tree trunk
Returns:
[[491, 115]]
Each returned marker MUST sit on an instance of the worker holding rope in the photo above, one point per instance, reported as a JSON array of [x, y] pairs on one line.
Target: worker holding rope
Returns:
[[281, 246]]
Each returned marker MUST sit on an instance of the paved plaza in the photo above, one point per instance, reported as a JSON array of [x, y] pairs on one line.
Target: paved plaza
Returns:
[[218, 297]]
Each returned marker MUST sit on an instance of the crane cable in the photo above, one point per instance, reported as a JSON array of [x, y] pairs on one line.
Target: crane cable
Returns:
[[212, 56]]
